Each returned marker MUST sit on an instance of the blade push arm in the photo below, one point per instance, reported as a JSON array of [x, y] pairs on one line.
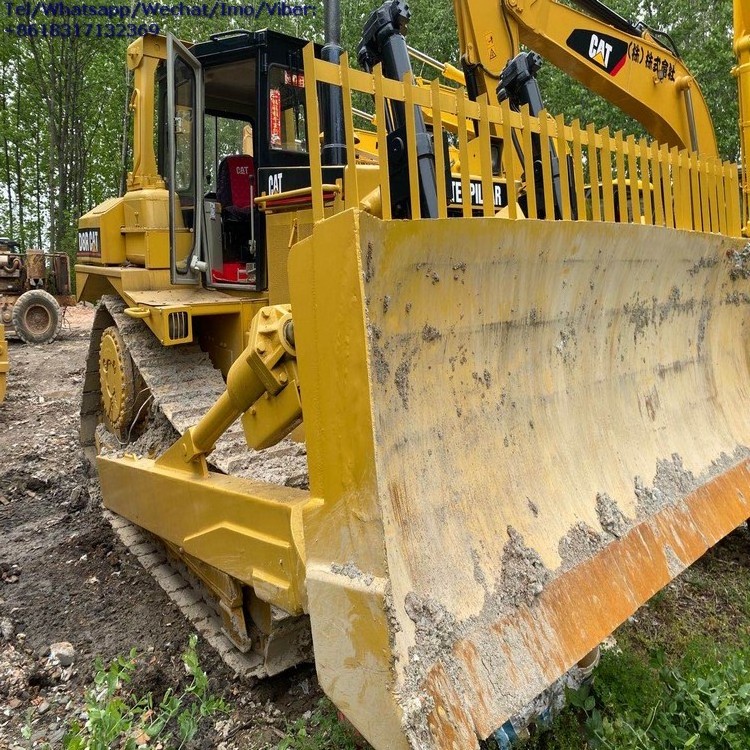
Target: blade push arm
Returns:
[[632, 70]]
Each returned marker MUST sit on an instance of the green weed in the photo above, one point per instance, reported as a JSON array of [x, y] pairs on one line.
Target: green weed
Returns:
[[323, 731], [704, 702], [117, 719]]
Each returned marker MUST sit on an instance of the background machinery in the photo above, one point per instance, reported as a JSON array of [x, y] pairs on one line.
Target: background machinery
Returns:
[[636, 68], [441, 446], [33, 285]]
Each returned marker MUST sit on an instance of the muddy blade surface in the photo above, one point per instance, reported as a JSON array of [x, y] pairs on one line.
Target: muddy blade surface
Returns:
[[531, 429]]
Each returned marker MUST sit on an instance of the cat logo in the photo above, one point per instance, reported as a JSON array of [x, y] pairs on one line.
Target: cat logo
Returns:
[[274, 183], [606, 52]]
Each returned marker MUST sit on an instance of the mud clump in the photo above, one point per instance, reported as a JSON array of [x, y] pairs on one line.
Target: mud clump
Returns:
[[611, 518], [701, 264], [350, 570], [379, 363], [566, 346], [402, 382], [638, 315], [702, 325], [436, 627], [524, 572], [650, 499], [368, 269], [159, 436], [673, 482], [581, 543], [740, 260], [430, 333], [484, 378], [737, 299]]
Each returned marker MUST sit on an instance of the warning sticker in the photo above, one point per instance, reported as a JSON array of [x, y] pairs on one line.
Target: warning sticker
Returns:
[[490, 39]]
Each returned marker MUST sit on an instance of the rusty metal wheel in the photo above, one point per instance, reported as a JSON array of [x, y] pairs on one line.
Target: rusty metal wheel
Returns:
[[117, 381], [36, 317]]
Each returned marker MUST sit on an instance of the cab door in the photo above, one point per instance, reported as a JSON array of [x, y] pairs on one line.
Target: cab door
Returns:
[[184, 123]]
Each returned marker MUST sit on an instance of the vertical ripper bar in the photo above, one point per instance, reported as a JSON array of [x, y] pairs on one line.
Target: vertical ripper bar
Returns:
[[683, 159], [594, 180], [528, 150], [313, 132], [485, 157], [351, 189], [635, 198], [733, 193], [606, 164], [411, 147], [579, 182], [647, 182], [562, 157], [622, 184], [510, 164], [547, 183], [721, 198], [658, 193], [440, 155], [667, 182], [385, 179], [696, 194], [463, 150], [710, 171]]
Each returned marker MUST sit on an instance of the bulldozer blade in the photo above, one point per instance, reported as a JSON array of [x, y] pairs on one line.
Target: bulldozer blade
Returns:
[[517, 433]]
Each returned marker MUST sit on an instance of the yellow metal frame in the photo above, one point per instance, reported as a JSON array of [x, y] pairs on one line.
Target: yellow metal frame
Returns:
[[490, 34], [151, 298], [742, 72], [250, 530], [696, 192]]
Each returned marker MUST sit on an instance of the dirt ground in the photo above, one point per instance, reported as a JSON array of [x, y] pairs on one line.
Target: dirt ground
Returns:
[[65, 577]]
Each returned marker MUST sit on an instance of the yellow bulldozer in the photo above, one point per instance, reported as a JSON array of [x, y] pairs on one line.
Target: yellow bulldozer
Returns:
[[442, 432]]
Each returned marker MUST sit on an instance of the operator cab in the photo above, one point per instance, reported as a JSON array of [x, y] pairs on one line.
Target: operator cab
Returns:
[[237, 112]]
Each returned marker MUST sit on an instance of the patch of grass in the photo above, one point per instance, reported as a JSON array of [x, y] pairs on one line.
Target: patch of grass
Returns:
[[322, 731], [680, 676], [118, 719], [702, 703], [566, 733]]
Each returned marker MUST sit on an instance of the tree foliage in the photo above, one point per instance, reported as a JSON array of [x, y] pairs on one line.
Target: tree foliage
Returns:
[[63, 101], [702, 33]]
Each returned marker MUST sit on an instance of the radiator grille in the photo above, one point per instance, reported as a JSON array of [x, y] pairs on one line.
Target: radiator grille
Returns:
[[178, 325]]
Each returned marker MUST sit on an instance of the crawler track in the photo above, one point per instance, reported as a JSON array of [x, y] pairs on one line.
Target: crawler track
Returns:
[[183, 384]]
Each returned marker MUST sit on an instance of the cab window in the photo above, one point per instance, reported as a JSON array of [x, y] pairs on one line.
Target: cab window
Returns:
[[286, 110]]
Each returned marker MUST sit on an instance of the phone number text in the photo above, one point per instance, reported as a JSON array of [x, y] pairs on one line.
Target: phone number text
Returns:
[[85, 30]]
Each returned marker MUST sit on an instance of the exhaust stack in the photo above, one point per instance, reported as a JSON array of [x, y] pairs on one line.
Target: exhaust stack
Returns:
[[332, 103]]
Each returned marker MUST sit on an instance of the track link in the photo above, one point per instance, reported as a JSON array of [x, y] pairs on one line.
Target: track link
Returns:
[[183, 384]]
